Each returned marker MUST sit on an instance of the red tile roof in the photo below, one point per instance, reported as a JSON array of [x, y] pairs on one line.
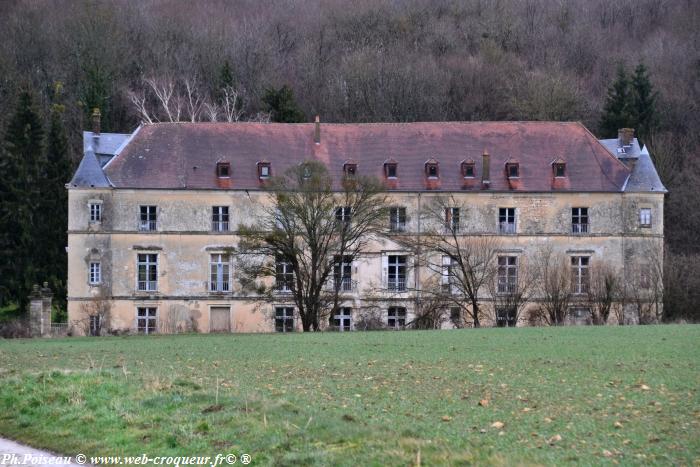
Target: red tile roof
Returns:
[[184, 155]]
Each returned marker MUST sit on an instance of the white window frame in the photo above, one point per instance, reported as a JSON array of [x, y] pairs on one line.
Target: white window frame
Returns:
[[95, 273], [447, 274], [342, 273], [645, 217], [578, 216], [396, 317], [220, 216], [286, 317], [95, 212], [148, 265], [343, 214], [147, 319], [150, 223], [219, 272], [397, 219], [396, 281], [580, 274], [452, 219], [507, 277], [504, 315], [506, 227], [342, 321], [285, 271]]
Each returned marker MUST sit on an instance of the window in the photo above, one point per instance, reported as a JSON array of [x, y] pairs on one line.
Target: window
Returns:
[[264, 170], [452, 220], [396, 279], [223, 169], [146, 320], [342, 273], [284, 275], [645, 217], [95, 276], [506, 220], [95, 212], [431, 169], [95, 325], [397, 219], [350, 169], [219, 273], [342, 321], [505, 316], [343, 214], [580, 315], [513, 170], [507, 274], [219, 219], [147, 272], [284, 319], [447, 278], [579, 274], [390, 169], [560, 169], [396, 317], [644, 279], [579, 220], [147, 218], [468, 169], [456, 316]]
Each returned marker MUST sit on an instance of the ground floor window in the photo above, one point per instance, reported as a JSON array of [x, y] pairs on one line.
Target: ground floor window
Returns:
[[284, 319], [95, 325], [580, 315], [505, 316], [342, 321], [396, 317], [146, 320]]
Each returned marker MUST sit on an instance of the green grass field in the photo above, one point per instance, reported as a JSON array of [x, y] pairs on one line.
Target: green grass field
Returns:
[[583, 395]]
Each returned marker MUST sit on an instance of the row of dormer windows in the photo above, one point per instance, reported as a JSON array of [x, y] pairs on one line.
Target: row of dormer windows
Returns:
[[220, 218], [391, 169]]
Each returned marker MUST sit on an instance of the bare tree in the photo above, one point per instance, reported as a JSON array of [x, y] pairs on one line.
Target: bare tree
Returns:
[[604, 293], [95, 317], [512, 290], [553, 286], [307, 236], [467, 262]]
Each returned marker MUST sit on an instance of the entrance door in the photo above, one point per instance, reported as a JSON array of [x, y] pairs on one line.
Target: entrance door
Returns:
[[220, 319]]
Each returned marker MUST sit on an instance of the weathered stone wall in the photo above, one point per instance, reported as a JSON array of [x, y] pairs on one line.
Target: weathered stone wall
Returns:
[[184, 242]]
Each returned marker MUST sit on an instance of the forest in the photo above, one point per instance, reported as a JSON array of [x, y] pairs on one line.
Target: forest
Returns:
[[608, 64]]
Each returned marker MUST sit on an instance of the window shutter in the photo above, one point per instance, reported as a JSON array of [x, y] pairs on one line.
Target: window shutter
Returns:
[[385, 269]]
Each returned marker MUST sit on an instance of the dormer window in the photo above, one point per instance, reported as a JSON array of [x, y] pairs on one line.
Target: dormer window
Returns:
[[350, 168], [390, 169], [431, 169], [223, 169], [264, 170], [559, 168], [468, 169], [513, 169]]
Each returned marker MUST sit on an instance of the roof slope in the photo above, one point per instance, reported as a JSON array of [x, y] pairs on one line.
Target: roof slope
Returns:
[[184, 155], [89, 173], [644, 177]]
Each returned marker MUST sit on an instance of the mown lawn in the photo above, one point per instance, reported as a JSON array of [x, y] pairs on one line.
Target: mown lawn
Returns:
[[585, 395]]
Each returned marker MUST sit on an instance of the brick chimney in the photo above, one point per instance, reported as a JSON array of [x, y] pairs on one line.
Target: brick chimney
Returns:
[[317, 130], [485, 169], [96, 117], [625, 136]]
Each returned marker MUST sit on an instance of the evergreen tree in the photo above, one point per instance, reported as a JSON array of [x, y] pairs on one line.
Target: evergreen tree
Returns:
[[53, 262], [282, 106], [643, 102], [617, 110], [23, 169]]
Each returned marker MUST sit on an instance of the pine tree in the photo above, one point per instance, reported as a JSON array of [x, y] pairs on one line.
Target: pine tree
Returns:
[[23, 169], [53, 262], [282, 106], [643, 102], [617, 110]]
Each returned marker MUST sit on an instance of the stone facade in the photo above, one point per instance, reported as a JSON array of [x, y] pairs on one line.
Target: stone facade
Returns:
[[178, 295]]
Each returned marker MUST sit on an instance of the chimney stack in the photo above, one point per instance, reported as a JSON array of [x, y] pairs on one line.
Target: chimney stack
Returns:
[[625, 136], [485, 169], [317, 130], [96, 116]]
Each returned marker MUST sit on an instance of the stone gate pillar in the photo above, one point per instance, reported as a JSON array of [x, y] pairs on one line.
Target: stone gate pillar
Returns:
[[40, 310]]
